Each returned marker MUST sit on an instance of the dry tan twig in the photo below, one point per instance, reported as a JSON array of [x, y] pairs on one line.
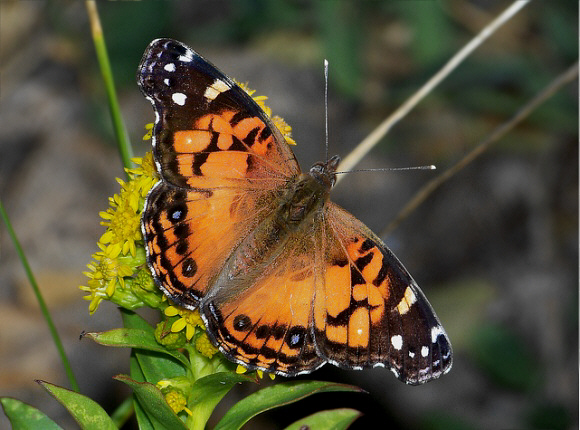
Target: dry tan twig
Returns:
[[377, 134], [497, 134]]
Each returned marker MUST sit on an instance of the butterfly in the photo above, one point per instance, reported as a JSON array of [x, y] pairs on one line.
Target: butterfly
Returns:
[[285, 280]]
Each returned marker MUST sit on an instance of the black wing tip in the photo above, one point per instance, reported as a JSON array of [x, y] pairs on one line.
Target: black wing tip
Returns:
[[164, 50]]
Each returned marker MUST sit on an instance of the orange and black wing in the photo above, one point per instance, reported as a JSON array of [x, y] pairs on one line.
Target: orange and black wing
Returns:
[[263, 319], [369, 311], [222, 162]]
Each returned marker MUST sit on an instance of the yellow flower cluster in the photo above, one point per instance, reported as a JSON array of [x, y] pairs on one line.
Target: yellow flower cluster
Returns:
[[177, 401], [116, 270], [188, 321]]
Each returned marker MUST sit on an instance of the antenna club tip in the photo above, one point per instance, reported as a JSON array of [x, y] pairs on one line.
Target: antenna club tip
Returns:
[[432, 167], [325, 62]]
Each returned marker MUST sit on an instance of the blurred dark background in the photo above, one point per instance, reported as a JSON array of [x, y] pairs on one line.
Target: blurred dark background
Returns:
[[495, 249]]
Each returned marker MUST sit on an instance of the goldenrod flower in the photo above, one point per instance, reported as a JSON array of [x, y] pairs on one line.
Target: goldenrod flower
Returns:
[[284, 128], [189, 320], [204, 346], [241, 370], [122, 220], [168, 338], [105, 273], [144, 175], [177, 401], [149, 128]]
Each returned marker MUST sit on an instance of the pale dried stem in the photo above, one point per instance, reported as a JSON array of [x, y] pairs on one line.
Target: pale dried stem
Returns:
[[377, 134], [496, 135]]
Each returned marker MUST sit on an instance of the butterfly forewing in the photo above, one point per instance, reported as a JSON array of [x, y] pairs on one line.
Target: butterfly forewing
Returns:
[[376, 315], [189, 234]]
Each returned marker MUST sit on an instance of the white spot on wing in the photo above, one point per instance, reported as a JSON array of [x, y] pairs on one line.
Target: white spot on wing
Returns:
[[215, 89], [407, 301], [435, 332], [397, 342], [166, 81], [424, 351], [411, 354], [186, 58], [179, 98], [170, 67]]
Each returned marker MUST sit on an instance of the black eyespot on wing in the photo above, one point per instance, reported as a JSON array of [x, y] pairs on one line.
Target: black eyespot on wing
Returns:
[[242, 322]]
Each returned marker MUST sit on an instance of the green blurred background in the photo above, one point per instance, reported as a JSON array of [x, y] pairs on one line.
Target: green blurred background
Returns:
[[495, 249]]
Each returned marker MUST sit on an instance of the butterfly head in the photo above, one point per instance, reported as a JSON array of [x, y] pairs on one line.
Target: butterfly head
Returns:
[[325, 173]]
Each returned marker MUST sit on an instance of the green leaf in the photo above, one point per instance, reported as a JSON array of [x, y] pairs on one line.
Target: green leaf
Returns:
[[153, 403], [88, 413], [142, 419], [25, 417], [153, 365], [147, 366], [134, 320], [335, 419], [273, 397], [207, 393], [135, 338], [156, 366]]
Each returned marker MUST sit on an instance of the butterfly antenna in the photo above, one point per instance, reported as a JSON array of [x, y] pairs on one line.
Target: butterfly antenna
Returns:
[[385, 169], [326, 106]]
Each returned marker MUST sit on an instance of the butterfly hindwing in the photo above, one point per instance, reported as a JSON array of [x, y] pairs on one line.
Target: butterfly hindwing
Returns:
[[189, 234], [263, 317]]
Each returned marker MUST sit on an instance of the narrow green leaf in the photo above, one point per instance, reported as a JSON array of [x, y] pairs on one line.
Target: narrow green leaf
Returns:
[[335, 419], [135, 338], [25, 417], [39, 298], [207, 393], [147, 366], [154, 404], [88, 413], [273, 397], [123, 141], [137, 375]]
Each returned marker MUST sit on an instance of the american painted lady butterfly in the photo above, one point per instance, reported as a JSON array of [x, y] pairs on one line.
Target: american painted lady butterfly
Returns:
[[284, 279]]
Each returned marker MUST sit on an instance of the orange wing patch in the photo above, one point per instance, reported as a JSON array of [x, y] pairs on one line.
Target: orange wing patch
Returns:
[[268, 325], [190, 234], [224, 147]]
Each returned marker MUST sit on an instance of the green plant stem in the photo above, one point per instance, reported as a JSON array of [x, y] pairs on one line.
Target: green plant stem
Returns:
[[123, 141], [45, 312]]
